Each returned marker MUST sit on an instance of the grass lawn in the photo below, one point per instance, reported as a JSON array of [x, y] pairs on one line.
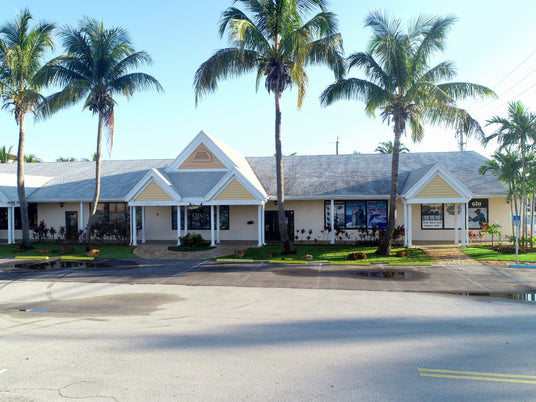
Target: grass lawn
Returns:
[[333, 253], [484, 253], [105, 250]]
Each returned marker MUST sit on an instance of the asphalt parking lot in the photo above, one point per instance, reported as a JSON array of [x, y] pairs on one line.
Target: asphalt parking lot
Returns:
[[439, 278]]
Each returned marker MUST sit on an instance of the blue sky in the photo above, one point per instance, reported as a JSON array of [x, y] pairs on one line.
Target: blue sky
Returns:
[[489, 45]]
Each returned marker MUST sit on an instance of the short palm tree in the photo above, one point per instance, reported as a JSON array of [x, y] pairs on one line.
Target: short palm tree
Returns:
[[95, 68], [517, 130], [274, 39], [387, 148], [62, 159], [400, 83], [6, 155], [506, 166], [31, 158], [21, 52]]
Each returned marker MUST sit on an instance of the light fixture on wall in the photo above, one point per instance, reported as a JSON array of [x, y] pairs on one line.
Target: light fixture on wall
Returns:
[[61, 204]]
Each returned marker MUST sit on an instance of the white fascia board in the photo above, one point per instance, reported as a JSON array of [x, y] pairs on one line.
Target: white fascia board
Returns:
[[200, 138], [354, 197], [438, 169], [437, 200], [152, 203], [156, 176], [227, 179], [238, 202]]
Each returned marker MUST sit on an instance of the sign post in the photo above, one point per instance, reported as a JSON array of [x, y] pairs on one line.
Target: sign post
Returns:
[[516, 219]]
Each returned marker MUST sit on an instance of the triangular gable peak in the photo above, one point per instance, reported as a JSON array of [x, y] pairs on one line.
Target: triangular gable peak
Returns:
[[235, 188], [153, 189], [203, 153], [438, 185]]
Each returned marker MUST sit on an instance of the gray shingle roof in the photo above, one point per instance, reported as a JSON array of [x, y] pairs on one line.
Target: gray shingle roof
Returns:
[[320, 176], [342, 176]]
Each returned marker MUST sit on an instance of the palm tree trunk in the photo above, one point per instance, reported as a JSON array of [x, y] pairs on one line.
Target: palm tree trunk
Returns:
[[93, 211], [385, 244], [285, 241], [532, 217], [21, 191], [524, 195]]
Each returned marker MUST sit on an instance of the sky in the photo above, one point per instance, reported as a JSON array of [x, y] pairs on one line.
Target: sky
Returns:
[[492, 44]]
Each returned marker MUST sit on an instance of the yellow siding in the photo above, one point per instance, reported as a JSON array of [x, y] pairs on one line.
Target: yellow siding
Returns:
[[202, 158], [153, 192], [234, 191], [438, 188]]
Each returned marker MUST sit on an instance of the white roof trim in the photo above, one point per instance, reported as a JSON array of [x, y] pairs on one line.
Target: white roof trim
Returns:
[[206, 140], [438, 170], [227, 179], [158, 178]]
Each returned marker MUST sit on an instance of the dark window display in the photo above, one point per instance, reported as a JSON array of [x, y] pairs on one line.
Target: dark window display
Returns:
[[355, 214], [199, 218]]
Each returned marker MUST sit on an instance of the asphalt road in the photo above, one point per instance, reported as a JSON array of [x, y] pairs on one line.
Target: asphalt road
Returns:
[[132, 331], [434, 278]]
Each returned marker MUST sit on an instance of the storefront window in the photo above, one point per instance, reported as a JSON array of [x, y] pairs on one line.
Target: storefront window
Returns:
[[355, 214], [443, 216], [199, 218], [432, 216], [32, 217]]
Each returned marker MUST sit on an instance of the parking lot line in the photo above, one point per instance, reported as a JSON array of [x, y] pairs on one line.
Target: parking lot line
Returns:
[[477, 376]]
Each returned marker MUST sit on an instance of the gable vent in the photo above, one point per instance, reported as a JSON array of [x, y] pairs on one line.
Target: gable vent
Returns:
[[202, 156]]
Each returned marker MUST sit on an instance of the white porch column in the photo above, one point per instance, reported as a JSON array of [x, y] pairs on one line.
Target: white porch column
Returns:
[[13, 224], [263, 224], [185, 221], [143, 225], [218, 224], [81, 225], [9, 226], [212, 238], [410, 226], [456, 226], [259, 225], [179, 225], [464, 226], [134, 229], [405, 223], [332, 221], [130, 225]]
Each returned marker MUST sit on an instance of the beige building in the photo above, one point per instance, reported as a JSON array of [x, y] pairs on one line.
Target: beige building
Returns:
[[213, 190]]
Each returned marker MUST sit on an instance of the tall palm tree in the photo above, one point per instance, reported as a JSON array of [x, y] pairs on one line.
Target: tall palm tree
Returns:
[[95, 68], [387, 148], [6, 155], [517, 130], [22, 49], [274, 39], [400, 83]]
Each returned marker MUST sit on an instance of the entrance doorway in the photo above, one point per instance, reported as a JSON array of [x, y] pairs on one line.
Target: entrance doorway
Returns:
[[271, 225], [71, 225]]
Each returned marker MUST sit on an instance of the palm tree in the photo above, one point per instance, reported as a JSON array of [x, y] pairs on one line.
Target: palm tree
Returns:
[[5, 154], [517, 130], [273, 38], [31, 158], [401, 84], [506, 166], [95, 68], [62, 159], [387, 148], [21, 50]]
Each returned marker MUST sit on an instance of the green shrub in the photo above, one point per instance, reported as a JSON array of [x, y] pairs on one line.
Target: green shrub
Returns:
[[192, 240]]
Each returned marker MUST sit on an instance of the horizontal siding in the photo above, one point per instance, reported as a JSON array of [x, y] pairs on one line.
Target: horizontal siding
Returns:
[[234, 191], [202, 158], [153, 192], [438, 188]]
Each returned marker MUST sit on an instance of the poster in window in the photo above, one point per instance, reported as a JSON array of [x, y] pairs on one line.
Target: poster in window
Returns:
[[449, 216], [355, 214], [432, 216], [339, 216], [478, 213], [377, 214]]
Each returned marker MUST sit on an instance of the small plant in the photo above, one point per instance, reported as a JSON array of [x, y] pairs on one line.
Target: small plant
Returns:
[[192, 240], [492, 230]]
